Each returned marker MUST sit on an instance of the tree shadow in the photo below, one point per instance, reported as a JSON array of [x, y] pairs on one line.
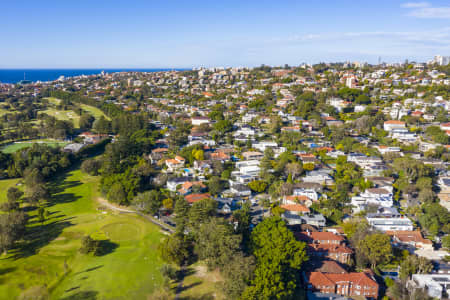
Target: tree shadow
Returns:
[[83, 295], [62, 198], [39, 236], [89, 270], [181, 274], [106, 247], [6, 270], [72, 289], [187, 287]]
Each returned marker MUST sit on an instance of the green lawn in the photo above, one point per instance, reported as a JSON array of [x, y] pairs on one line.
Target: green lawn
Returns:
[[91, 109], [4, 186], [129, 271], [53, 100], [97, 113], [11, 148], [65, 115]]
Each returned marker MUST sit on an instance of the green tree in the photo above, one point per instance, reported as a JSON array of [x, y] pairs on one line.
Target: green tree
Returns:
[[258, 186], [376, 248], [279, 257], [198, 154], [86, 121], [102, 125], [237, 273], [413, 265], [148, 202], [91, 166], [176, 249], [181, 214], [216, 243], [446, 241], [12, 228], [14, 194], [214, 185], [201, 212]]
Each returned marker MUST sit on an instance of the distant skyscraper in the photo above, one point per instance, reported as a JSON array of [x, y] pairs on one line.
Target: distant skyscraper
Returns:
[[441, 60]]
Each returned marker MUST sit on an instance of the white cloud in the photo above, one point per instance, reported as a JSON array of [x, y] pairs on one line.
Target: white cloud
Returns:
[[415, 4], [437, 36], [425, 10]]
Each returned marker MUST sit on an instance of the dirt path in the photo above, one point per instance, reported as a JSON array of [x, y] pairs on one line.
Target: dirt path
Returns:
[[121, 209]]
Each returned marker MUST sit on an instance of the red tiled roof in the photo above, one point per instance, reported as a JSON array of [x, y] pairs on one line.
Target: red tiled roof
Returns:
[[329, 248], [408, 236], [320, 279], [395, 122], [196, 197], [160, 150], [295, 207]]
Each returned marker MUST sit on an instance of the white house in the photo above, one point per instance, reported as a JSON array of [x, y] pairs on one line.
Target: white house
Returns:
[[393, 124], [248, 167], [246, 131], [310, 193], [263, 145], [196, 121], [376, 196], [402, 134], [433, 284], [390, 220], [318, 177]]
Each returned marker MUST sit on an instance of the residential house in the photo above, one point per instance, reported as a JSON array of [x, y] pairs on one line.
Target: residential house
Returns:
[[173, 184], [196, 121], [320, 237], [316, 220], [350, 284], [381, 197], [240, 190], [175, 164], [318, 177], [393, 124], [326, 245], [157, 154], [92, 138], [410, 240], [324, 266], [388, 220], [301, 199], [252, 155], [436, 285], [203, 167], [192, 198], [308, 192], [189, 186], [220, 156]]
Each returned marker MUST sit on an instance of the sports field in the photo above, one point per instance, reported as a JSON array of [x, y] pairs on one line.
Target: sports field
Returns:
[[11, 148]]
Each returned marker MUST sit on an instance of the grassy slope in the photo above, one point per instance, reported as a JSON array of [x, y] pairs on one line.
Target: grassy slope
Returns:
[[97, 113], [130, 271]]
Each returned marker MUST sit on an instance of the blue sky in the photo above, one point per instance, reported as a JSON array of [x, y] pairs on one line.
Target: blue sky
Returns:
[[172, 33]]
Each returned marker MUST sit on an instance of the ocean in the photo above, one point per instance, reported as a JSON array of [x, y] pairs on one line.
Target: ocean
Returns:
[[16, 75]]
